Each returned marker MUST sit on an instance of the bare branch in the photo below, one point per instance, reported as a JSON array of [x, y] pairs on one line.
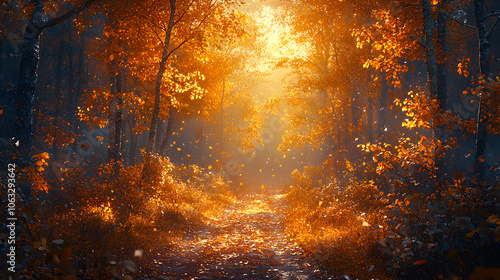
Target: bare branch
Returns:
[[461, 23], [75, 10], [496, 13], [488, 35], [184, 12]]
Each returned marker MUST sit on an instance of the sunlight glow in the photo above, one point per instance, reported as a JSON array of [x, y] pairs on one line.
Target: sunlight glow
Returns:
[[104, 211], [277, 38]]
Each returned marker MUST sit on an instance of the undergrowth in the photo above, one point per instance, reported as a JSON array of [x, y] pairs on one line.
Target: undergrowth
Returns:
[[108, 221], [399, 215]]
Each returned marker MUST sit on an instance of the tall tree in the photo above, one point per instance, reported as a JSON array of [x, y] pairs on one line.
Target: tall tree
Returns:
[[28, 72], [484, 36]]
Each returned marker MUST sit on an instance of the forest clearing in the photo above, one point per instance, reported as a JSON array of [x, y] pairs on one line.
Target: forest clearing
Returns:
[[250, 139]]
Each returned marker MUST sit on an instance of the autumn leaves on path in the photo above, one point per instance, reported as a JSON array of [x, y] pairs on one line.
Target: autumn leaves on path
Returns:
[[246, 242]]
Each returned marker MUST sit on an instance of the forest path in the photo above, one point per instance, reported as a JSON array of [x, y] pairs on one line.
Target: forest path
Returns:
[[248, 241]]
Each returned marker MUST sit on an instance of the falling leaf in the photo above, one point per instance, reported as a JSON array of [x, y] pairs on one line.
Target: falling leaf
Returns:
[[470, 234], [420, 262], [130, 265], [138, 253]]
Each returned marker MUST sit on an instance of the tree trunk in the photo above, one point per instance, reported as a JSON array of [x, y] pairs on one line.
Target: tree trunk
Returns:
[[430, 51], [133, 143], [25, 94], [115, 145], [382, 104], [28, 73], [57, 88], [81, 80], [221, 143], [168, 133], [443, 47], [71, 79], [441, 83], [432, 76], [485, 69], [159, 80], [369, 121]]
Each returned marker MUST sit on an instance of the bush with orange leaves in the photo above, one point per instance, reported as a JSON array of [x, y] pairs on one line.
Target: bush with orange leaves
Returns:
[[96, 223], [395, 216]]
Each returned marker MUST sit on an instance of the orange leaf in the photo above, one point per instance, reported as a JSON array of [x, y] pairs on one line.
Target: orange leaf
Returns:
[[470, 234], [420, 262]]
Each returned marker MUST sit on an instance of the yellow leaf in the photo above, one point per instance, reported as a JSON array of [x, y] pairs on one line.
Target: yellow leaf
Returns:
[[111, 57]]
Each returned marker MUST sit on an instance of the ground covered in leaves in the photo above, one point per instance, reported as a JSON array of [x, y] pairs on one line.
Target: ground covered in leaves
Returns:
[[246, 241]]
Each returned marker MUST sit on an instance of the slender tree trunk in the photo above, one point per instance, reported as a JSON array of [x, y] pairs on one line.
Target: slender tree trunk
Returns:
[[28, 74], [354, 109], [441, 83], [81, 81], [159, 80], [485, 69], [168, 133], [25, 94], [71, 79], [369, 121], [432, 76], [115, 145], [382, 104], [57, 87], [430, 51], [221, 143], [133, 142], [443, 47]]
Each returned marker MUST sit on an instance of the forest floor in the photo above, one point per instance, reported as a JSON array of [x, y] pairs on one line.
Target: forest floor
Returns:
[[247, 241]]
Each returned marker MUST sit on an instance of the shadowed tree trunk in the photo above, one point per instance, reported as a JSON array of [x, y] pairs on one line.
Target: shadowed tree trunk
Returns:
[[432, 77], [81, 81], [57, 88], [168, 133], [369, 121], [28, 74], [382, 104], [114, 152], [485, 69], [441, 82]]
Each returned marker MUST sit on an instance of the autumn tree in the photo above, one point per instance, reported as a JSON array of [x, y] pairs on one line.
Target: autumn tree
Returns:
[[484, 33], [24, 97]]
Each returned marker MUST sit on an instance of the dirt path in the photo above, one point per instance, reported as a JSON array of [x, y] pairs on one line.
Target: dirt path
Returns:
[[248, 241]]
